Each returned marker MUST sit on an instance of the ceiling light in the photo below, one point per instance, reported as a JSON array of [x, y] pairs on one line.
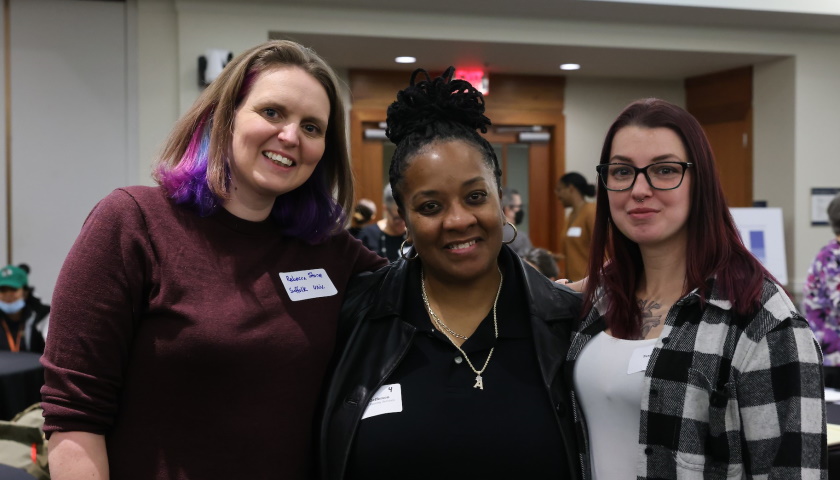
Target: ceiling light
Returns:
[[405, 59], [570, 66]]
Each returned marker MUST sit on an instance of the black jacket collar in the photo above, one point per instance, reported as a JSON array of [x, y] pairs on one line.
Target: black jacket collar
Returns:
[[542, 302]]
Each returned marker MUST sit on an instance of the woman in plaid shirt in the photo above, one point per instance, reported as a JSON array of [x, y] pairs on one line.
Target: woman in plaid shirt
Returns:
[[692, 361]]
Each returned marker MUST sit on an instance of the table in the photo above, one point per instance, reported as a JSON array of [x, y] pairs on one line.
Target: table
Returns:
[[11, 473], [832, 415], [21, 378]]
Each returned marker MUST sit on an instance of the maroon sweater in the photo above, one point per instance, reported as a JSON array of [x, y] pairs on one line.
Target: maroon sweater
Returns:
[[174, 337]]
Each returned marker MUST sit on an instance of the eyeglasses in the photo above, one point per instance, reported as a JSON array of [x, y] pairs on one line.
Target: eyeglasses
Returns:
[[618, 177]]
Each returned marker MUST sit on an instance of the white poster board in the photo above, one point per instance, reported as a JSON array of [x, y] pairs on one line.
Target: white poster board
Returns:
[[762, 231]]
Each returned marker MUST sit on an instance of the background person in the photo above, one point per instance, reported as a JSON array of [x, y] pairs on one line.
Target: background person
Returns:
[[572, 190], [363, 214], [193, 322], [821, 298], [520, 242], [692, 361], [460, 334], [543, 261], [24, 318], [386, 236]]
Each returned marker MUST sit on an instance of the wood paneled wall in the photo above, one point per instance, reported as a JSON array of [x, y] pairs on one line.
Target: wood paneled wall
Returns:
[[722, 103]]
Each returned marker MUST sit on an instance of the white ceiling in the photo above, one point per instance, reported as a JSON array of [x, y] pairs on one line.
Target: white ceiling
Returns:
[[344, 51], [372, 52]]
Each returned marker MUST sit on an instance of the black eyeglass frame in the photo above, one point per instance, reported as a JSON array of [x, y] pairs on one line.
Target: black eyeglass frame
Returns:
[[600, 168]]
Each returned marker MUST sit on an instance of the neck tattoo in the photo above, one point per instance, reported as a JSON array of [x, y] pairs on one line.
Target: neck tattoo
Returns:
[[651, 317], [479, 382]]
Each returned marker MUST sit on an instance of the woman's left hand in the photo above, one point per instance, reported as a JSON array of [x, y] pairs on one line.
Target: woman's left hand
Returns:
[[578, 286]]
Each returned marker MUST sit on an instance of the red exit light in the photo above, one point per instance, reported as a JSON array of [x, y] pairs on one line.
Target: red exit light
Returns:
[[476, 77]]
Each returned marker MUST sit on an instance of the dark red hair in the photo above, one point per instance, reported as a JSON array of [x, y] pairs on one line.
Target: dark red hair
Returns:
[[714, 246]]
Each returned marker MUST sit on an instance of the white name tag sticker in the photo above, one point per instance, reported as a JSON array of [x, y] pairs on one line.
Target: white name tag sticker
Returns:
[[639, 359], [306, 284], [574, 232], [388, 399]]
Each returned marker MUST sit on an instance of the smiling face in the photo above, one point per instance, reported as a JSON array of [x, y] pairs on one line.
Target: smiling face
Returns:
[[646, 216], [279, 134], [453, 212]]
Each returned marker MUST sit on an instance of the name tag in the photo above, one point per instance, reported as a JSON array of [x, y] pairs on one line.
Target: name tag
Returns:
[[639, 359], [306, 284], [574, 232], [388, 399]]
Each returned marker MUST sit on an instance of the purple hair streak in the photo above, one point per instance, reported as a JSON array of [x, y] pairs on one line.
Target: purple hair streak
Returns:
[[187, 181], [309, 212]]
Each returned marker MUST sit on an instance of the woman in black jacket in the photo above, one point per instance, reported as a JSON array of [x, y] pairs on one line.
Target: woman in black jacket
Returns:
[[451, 365]]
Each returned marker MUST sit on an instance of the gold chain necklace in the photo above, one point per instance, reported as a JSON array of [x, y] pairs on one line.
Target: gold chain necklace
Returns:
[[479, 383], [436, 319]]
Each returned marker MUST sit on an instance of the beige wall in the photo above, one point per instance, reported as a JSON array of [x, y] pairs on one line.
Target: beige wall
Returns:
[[817, 127], [4, 221], [591, 106], [773, 147], [157, 80]]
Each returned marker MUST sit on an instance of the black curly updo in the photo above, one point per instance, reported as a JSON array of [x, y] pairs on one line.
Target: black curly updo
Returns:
[[436, 110]]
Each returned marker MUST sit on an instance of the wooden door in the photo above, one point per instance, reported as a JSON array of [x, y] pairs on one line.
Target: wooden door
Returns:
[[530, 180], [722, 103], [733, 156]]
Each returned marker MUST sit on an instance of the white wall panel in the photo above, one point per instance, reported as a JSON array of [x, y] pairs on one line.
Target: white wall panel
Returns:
[[773, 149], [69, 122], [4, 230]]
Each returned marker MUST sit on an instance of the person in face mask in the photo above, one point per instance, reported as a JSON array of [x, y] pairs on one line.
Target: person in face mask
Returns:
[[514, 214], [23, 317]]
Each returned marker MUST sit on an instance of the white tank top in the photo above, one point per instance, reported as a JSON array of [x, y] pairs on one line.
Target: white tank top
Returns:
[[608, 379]]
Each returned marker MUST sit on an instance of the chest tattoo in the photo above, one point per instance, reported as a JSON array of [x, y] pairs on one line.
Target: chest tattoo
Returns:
[[651, 315]]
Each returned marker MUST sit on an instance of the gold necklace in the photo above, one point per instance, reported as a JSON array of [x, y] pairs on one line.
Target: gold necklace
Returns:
[[436, 319], [479, 383]]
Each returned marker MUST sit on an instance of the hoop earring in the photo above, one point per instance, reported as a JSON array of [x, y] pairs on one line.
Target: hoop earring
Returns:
[[515, 233], [402, 252]]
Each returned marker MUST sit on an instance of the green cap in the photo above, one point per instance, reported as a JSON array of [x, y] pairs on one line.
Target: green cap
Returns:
[[12, 276]]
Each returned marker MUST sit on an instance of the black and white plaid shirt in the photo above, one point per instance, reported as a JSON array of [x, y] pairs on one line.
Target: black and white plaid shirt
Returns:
[[726, 396]]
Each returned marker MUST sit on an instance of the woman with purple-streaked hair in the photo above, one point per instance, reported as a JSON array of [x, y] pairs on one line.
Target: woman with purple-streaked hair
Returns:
[[193, 322]]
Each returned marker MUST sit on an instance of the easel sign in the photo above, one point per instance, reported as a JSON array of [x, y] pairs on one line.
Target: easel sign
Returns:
[[762, 231], [820, 198]]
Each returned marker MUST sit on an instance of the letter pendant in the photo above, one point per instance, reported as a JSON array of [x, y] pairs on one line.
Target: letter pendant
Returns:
[[478, 382]]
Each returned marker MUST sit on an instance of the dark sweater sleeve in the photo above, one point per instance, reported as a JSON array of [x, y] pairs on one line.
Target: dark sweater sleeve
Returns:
[[369, 236], [100, 294], [366, 260]]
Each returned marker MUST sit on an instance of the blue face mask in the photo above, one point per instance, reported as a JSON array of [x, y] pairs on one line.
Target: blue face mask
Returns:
[[12, 308]]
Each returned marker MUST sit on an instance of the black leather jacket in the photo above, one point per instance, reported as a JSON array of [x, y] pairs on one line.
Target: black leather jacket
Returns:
[[376, 340]]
